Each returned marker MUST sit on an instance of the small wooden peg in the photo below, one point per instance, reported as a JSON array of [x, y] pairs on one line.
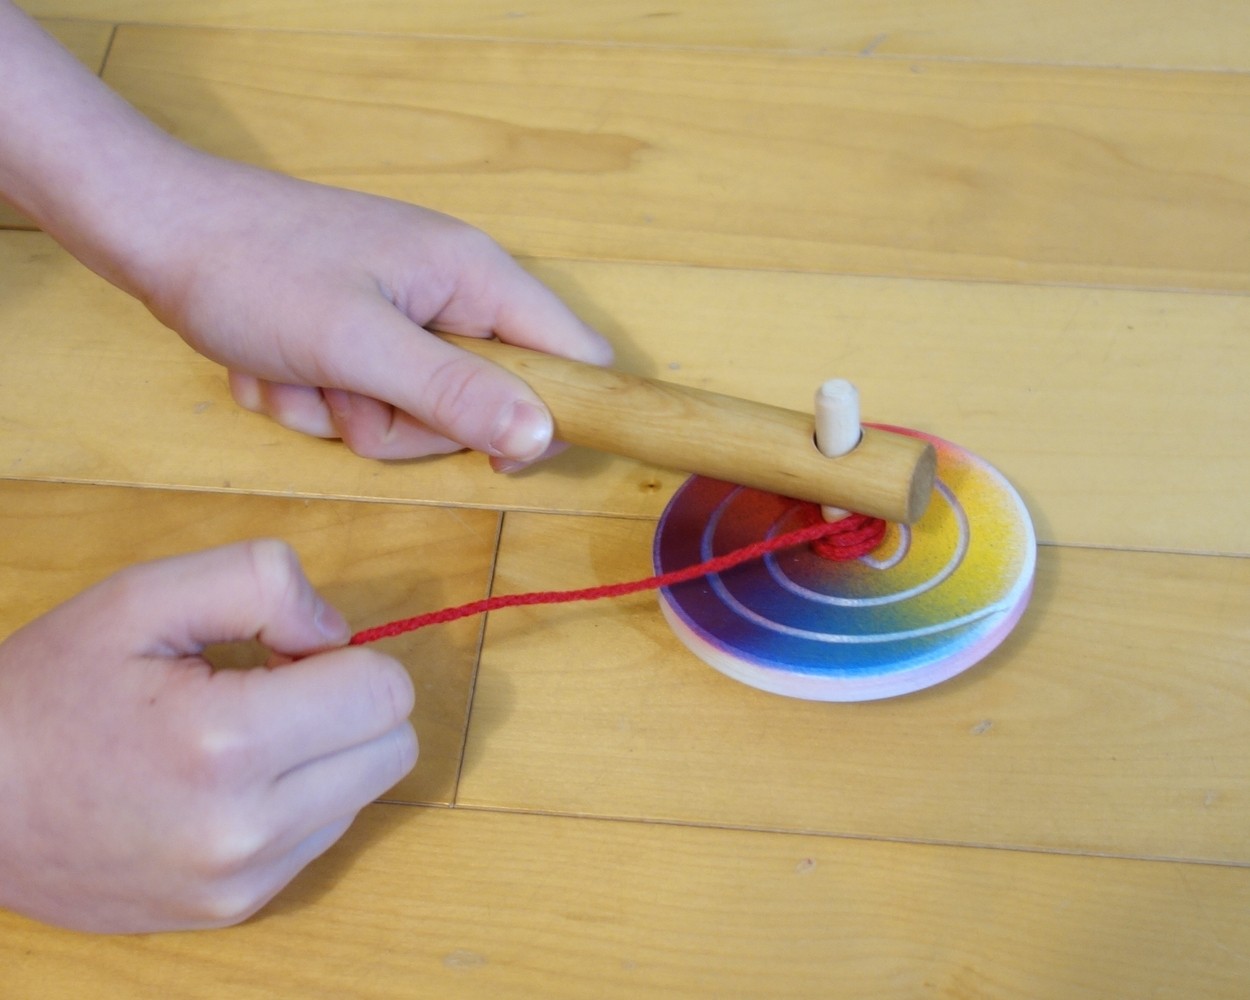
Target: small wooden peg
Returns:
[[838, 430]]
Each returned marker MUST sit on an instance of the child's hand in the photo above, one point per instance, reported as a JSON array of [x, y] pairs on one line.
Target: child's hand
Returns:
[[141, 790], [318, 300]]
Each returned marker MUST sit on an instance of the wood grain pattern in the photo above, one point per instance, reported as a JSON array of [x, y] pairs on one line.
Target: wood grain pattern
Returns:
[[88, 40], [456, 903], [886, 475], [952, 170], [373, 561], [1117, 413], [1211, 34], [749, 198], [1080, 396], [1111, 721]]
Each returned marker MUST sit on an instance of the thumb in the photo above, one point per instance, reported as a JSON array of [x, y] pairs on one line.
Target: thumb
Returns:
[[454, 393], [249, 590]]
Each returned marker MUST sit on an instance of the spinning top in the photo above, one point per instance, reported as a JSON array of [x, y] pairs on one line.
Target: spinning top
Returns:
[[933, 599], [948, 581]]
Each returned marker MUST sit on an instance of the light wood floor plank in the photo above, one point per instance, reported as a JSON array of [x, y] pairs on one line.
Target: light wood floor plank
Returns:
[[1111, 721], [373, 561], [1020, 226], [451, 903], [1115, 433], [1041, 260], [1211, 34], [734, 159], [88, 40], [1118, 414]]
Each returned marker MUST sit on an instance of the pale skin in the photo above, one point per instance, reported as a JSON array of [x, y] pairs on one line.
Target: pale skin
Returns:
[[143, 791]]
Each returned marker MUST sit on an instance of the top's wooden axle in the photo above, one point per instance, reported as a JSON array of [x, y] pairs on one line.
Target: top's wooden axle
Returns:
[[766, 447]]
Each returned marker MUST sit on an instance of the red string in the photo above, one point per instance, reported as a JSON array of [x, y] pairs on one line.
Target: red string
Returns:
[[849, 538], [857, 535]]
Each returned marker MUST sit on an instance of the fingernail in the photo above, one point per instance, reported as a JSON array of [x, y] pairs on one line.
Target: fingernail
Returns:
[[339, 402], [523, 434], [331, 624], [507, 465], [504, 466], [246, 392]]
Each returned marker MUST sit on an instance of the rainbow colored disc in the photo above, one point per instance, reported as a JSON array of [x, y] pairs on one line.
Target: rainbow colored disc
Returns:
[[932, 600]]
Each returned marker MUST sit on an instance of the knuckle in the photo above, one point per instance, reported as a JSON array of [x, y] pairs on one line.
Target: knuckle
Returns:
[[222, 844], [226, 835], [302, 409], [364, 445], [373, 428], [225, 904], [391, 756], [128, 590], [231, 846], [390, 691], [216, 758], [480, 245], [369, 437], [457, 388], [407, 750], [274, 569], [273, 563]]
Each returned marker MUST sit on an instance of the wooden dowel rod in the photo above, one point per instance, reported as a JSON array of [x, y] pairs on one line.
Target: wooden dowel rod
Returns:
[[766, 447]]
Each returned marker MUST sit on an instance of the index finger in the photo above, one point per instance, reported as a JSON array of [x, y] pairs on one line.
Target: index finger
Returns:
[[504, 300]]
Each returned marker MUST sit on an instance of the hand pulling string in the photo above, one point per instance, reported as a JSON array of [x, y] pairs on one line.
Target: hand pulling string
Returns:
[[848, 538]]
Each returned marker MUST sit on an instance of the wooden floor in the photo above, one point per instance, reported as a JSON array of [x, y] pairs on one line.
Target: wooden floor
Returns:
[[1023, 227]]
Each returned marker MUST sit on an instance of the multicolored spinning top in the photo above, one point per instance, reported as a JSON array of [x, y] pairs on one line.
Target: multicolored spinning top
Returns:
[[949, 580]]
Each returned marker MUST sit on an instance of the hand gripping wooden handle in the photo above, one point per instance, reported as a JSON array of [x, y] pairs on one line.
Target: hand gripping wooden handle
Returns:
[[766, 447]]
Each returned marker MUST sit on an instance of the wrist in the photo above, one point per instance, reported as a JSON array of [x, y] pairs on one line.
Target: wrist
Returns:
[[87, 167]]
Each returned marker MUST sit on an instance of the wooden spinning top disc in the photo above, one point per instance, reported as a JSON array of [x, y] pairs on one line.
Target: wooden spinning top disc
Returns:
[[934, 598]]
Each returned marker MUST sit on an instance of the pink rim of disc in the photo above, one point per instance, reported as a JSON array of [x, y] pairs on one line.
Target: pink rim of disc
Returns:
[[934, 599]]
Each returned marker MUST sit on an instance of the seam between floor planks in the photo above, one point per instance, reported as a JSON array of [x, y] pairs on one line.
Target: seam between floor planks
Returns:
[[966, 845]]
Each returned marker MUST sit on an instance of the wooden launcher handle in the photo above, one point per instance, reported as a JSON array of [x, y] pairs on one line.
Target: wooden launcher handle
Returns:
[[766, 447]]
